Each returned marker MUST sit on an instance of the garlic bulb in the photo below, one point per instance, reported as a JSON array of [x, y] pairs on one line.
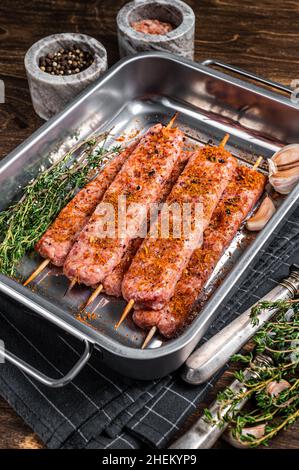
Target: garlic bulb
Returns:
[[275, 388], [288, 156], [262, 215], [284, 181], [284, 169]]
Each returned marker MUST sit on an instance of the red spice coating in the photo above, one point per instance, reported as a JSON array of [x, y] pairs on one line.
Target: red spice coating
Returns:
[[112, 283], [239, 198], [159, 262], [93, 257], [57, 241]]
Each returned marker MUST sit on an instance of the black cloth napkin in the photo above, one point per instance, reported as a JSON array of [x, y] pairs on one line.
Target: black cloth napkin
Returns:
[[101, 409]]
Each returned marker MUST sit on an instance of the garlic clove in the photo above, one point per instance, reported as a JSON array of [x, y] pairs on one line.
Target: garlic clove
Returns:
[[284, 169], [284, 181], [287, 157], [256, 431], [275, 388], [272, 166], [262, 216]]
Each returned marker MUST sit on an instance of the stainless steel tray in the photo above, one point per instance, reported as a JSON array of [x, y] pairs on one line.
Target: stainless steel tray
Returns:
[[135, 93]]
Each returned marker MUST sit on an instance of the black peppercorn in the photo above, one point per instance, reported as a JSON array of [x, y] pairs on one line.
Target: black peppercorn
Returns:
[[66, 61]]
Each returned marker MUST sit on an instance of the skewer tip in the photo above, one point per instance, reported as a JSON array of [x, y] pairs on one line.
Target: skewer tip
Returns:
[[70, 287], [126, 312], [257, 163], [149, 336], [40, 268], [224, 140], [170, 124], [94, 295]]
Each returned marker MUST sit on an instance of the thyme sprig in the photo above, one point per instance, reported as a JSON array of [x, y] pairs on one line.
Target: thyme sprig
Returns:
[[279, 339], [23, 223], [282, 305]]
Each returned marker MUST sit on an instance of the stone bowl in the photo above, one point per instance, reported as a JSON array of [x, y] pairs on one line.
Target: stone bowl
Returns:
[[179, 41], [51, 93]]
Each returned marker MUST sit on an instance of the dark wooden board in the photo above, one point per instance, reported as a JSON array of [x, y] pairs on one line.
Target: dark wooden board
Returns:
[[258, 36]]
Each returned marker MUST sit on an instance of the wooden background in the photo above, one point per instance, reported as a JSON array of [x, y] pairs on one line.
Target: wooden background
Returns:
[[260, 36]]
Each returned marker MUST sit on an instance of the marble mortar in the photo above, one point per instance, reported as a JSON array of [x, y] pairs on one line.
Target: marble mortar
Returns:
[[51, 93], [179, 41]]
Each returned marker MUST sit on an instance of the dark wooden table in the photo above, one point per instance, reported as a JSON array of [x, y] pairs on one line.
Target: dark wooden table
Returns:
[[259, 36]]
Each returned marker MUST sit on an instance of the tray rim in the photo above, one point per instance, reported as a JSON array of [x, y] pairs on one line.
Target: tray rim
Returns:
[[69, 323]]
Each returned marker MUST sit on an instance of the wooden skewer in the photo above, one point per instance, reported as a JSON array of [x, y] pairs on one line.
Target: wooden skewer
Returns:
[[126, 312], [257, 163], [153, 330], [149, 336], [170, 124], [94, 295], [224, 140], [70, 287], [131, 302], [38, 270], [100, 287], [73, 282], [82, 155]]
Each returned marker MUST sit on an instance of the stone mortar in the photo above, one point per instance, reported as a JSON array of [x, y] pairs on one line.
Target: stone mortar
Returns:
[[51, 93], [179, 41]]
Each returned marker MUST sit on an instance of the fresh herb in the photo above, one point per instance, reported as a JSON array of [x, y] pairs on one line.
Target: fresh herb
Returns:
[[281, 305], [273, 390], [22, 224]]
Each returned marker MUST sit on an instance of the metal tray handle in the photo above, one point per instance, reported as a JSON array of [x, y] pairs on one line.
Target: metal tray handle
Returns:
[[44, 379], [244, 73]]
